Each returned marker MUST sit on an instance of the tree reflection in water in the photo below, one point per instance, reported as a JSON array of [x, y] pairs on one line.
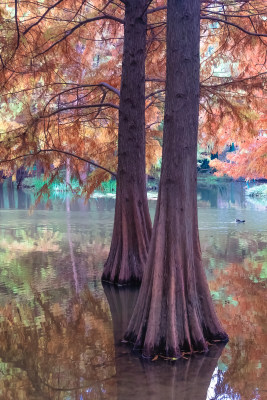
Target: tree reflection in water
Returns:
[[243, 289], [68, 354], [56, 339], [61, 346]]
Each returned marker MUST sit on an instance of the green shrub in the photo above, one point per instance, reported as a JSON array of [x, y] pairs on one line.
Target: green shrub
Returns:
[[108, 187]]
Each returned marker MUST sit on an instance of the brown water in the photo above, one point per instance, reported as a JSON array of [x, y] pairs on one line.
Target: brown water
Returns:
[[60, 330]]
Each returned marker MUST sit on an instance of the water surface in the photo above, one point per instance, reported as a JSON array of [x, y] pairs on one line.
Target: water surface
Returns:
[[60, 330]]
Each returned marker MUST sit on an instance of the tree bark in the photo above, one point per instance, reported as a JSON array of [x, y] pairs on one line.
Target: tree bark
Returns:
[[174, 311], [132, 223]]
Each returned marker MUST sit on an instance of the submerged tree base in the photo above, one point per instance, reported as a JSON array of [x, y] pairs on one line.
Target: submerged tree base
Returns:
[[174, 313], [171, 353]]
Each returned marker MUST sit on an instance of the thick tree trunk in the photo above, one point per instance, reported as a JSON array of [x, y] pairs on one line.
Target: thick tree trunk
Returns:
[[174, 312], [132, 223]]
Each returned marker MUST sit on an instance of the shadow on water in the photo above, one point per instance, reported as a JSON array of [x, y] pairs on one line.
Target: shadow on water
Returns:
[[138, 378]]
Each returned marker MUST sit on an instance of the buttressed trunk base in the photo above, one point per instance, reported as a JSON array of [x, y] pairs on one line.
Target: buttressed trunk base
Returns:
[[131, 237], [174, 313]]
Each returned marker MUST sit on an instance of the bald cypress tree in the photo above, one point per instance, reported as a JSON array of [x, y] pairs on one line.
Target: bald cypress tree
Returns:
[[132, 223], [174, 311]]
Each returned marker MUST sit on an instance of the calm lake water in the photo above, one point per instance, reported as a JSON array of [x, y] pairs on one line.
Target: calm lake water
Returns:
[[60, 330]]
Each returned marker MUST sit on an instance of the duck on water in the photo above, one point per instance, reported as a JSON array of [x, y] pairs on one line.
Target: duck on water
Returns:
[[239, 220]]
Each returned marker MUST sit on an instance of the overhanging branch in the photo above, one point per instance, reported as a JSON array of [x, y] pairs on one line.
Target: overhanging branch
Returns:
[[109, 105], [42, 17], [227, 22], [17, 23], [61, 152], [67, 34], [215, 19]]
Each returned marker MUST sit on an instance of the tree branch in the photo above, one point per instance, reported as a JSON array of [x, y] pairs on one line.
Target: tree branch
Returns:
[[146, 7], [154, 79], [80, 107], [61, 152], [77, 86], [42, 17], [17, 24], [110, 17], [111, 88], [154, 93], [233, 82], [227, 83], [160, 8], [235, 25]]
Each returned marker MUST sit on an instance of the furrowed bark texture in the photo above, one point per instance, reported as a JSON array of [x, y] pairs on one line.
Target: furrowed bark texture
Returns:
[[174, 311], [132, 223]]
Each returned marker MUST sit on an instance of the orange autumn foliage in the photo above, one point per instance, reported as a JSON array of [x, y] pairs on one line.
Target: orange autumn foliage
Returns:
[[250, 161], [60, 79]]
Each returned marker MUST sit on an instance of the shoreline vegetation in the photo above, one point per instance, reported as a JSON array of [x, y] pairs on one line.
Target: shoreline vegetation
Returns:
[[108, 189], [257, 191]]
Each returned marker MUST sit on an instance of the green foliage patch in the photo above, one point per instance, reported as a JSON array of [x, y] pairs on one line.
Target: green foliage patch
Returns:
[[257, 191], [59, 185]]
